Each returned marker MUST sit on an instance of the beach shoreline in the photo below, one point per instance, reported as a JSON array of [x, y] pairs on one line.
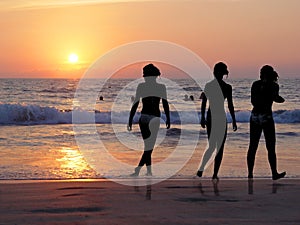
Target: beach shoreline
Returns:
[[173, 201]]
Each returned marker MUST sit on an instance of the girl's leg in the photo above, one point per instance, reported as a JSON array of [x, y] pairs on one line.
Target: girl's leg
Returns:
[[149, 130], [146, 158], [209, 151], [219, 156], [270, 136], [255, 133], [269, 133]]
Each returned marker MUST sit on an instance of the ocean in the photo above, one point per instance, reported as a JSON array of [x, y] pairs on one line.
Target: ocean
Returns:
[[39, 135]]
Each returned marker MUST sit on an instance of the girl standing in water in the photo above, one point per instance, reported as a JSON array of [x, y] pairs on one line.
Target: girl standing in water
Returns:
[[216, 91], [263, 93], [151, 93]]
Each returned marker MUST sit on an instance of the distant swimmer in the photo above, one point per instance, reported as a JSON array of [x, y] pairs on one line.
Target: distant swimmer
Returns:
[[132, 99], [187, 98], [101, 98]]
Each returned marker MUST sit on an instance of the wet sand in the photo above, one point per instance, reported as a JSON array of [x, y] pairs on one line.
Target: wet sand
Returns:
[[174, 201]]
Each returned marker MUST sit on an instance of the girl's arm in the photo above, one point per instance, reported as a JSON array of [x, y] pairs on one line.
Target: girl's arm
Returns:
[[203, 108], [167, 112], [231, 109], [166, 107], [133, 109], [277, 98]]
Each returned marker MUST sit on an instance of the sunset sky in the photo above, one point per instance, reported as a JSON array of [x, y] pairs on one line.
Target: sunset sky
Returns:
[[38, 36]]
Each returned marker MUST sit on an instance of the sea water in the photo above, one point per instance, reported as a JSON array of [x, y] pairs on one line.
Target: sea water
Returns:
[[38, 140]]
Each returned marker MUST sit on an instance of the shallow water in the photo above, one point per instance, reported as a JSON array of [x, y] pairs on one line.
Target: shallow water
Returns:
[[51, 152]]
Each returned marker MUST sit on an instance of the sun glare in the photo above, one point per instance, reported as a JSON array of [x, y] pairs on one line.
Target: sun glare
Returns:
[[73, 58]]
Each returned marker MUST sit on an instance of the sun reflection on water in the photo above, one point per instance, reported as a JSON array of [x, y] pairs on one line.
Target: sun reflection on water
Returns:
[[73, 164]]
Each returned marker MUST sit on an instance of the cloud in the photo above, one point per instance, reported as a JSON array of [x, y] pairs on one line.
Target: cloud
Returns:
[[37, 4]]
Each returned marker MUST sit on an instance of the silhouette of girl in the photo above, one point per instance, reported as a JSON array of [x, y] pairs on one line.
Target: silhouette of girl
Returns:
[[151, 93], [263, 93], [215, 120]]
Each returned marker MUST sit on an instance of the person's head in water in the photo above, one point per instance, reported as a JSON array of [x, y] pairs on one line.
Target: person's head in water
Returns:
[[220, 69], [151, 71], [267, 73]]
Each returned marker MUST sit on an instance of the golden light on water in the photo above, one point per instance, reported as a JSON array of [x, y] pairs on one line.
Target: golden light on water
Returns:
[[72, 162]]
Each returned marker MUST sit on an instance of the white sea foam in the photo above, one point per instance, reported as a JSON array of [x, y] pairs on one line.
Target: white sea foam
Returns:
[[19, 114]]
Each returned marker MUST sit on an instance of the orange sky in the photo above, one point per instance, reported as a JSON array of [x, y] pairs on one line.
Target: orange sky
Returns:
[[36, 39]]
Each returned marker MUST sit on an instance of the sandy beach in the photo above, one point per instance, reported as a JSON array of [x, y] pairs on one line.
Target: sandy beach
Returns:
[[174, 201]]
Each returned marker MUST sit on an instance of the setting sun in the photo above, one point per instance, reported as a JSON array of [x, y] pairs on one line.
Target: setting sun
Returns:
[[73, 58]]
